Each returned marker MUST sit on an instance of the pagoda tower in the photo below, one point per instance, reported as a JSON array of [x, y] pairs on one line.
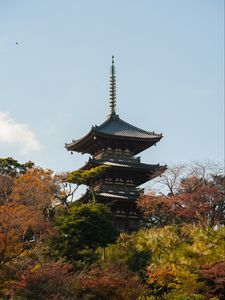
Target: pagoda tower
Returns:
[[115, 144]]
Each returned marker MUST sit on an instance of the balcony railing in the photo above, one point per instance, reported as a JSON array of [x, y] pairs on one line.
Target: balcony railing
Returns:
[[117, 157]]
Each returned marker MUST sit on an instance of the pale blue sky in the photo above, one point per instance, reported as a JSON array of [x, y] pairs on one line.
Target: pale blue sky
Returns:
[[170, 71]]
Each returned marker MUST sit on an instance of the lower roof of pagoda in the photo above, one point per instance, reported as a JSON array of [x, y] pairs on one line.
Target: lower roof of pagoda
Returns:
[[122, 165], [140, 172], [114, 131], [108, 198]]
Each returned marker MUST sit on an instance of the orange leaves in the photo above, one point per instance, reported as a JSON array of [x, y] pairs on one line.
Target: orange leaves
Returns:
[[35, 188], [161, 276], [15, 222], [6, 186], [23, 215]]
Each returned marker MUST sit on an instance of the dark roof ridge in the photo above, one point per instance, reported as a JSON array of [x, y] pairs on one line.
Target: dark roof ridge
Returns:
[[113, 119]]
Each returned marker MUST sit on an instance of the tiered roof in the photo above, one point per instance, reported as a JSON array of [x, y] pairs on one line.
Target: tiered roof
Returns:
[[118, 127], [114, 128], [114, 144], [140, 172]]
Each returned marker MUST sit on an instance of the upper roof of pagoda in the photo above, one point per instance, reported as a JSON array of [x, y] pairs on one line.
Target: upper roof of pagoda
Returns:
[[114, 128], [118, 127]]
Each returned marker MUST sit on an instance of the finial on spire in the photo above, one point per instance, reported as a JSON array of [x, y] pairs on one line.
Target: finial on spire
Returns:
[[112, 90]]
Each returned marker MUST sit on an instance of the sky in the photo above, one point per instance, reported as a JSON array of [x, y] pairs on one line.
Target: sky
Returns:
[[55, 57]]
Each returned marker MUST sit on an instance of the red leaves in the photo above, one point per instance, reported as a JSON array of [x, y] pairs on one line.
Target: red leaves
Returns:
[[205, 204], [56, 280], [200, 206], [110, 282], [44, 281], [214, 277], [111, 277]]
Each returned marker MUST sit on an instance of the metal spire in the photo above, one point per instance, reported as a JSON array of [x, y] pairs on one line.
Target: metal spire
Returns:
[[112, 90]]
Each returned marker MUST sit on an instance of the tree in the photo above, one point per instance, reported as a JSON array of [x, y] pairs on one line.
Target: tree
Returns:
[[195, 200], [70, 182], [9, 170], [41, 281], [51, 280], [15, 223], [174, 262], [23, 217], [28, 203], [36, 189], [83, 229], [11, 167], [106, 282], [179, 257], [6, 186], [130, 250]]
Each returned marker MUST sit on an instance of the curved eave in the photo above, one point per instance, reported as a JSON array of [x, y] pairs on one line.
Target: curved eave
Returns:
[[107, 198], [94, 162], [88, 143], [142, 172], [76, 145]]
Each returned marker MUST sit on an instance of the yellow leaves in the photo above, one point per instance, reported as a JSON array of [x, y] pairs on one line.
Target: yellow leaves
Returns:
[[179, 254], [184, 279], [172, 276], [35, 268]]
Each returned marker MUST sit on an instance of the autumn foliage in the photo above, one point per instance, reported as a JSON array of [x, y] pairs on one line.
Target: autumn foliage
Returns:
[[15, 223], [54, 248], [196, 201]]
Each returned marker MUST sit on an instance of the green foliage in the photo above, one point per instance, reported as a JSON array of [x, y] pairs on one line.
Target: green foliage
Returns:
[[85, 176], [172, 296], [181, 258], [11, 167], [175, 262], [82, 230], [128, 250]]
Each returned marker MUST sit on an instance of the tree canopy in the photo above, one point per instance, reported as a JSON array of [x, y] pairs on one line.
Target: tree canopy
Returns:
[[47, 238], [83, 229]]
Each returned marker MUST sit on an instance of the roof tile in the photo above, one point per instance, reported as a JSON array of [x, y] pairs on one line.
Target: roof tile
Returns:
[[118, 127]]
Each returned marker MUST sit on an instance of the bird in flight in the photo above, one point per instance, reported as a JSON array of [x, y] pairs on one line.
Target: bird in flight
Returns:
[[17, 43]]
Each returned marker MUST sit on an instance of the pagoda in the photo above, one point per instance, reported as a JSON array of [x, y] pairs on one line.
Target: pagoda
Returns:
[[115, 144]]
